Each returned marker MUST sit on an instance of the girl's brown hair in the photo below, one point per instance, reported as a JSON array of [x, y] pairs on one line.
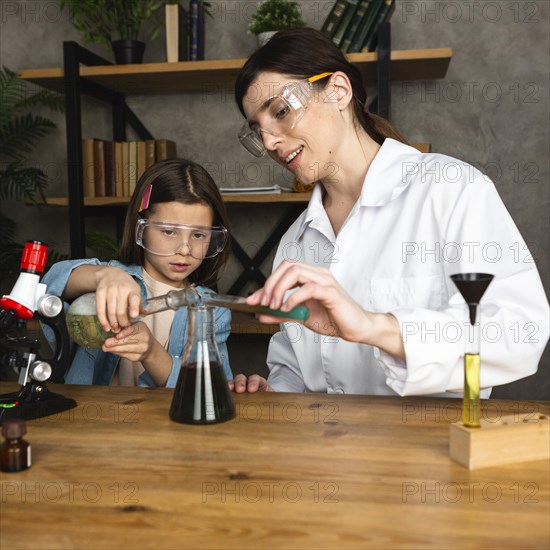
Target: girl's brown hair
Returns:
[[305, 52], [182, 181]]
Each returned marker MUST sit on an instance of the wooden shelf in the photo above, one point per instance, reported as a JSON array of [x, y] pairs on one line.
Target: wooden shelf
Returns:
[[205, 76], [244, 198], [268, 198]]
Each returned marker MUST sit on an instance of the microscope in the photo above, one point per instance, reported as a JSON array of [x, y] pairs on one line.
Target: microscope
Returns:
[[29, 356]]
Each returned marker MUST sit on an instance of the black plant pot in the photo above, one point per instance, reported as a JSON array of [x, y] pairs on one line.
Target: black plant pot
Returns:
[[128, 51]]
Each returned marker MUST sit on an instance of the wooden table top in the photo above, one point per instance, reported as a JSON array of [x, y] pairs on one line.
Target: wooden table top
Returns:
[[291, 471]]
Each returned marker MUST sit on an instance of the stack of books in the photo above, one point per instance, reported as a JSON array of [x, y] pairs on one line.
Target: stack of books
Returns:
[[353, 24], [112, 169]]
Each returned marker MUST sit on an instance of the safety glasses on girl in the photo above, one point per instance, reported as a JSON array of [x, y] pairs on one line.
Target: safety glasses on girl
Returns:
[[167, 239], [279, 114]]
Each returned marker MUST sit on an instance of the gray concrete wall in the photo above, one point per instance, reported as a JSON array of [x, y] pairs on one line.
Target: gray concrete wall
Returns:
[[491, 110]]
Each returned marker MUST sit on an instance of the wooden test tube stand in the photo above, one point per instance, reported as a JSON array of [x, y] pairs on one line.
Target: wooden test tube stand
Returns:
[[509, 439]]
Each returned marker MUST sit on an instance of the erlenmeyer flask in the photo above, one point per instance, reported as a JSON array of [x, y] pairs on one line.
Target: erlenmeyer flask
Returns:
[[201, 395]]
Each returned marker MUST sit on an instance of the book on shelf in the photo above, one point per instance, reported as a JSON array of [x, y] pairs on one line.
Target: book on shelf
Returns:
[[140, 159], [99, 167], [384, 15], [332, 20], [165, 149], [88, 168], [197, 26], [112, 169], [119, 185], [125, 168], [345, 21], [149, 153], [362, 9], [177, 33], [254, 190], [132, 167], [365, 26]]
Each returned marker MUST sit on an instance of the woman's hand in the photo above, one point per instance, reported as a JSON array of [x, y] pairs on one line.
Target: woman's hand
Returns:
[[118, 297], [332, 310], [252, 384]]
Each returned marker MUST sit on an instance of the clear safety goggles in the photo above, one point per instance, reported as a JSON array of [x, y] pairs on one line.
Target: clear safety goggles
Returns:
[[279, 114], [167, 239]]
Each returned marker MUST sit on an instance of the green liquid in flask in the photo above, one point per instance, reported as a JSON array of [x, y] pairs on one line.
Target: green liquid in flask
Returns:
[[86, 330]]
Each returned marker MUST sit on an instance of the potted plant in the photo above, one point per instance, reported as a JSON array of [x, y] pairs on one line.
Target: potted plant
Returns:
[[20, 131], [116, 24], [275, 15]]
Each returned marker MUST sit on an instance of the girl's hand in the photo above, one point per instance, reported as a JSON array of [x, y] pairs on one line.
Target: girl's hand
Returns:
[[118, 298], [135, 343], [332, 310], [252, 384]]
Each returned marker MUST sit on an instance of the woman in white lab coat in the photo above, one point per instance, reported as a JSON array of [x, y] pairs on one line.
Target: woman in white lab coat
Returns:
[[372, 254]]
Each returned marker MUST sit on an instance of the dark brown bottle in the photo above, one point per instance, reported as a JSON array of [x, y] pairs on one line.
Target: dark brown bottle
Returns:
[[15, 452], [201, 395]]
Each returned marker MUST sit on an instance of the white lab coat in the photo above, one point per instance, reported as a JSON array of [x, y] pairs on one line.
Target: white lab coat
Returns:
[[420, 218]]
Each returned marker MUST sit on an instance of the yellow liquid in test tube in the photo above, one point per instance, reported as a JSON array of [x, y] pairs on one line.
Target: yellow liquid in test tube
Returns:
[[471, 408]]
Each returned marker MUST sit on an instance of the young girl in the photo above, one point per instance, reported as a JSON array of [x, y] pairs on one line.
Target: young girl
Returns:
[[174, 235]]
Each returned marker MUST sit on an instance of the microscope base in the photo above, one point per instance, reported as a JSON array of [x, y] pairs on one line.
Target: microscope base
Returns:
[[48, 404]]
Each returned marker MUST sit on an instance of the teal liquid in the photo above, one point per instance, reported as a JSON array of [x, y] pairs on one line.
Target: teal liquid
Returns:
[[298, 313]]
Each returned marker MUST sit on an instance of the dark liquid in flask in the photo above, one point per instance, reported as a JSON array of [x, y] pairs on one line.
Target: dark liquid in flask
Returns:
[[218, 409]]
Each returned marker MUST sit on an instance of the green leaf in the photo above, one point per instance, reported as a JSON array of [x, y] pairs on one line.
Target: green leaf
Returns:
[[8, 228], [276, 15], [102, 21], [42, 98], [22, 183], [19, 135]]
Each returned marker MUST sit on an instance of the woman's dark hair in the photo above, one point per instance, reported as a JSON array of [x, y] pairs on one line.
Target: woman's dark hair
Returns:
[[176, 180], [305, 52]]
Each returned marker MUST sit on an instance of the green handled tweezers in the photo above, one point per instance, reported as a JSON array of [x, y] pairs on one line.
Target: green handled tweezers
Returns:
[[238, 303]]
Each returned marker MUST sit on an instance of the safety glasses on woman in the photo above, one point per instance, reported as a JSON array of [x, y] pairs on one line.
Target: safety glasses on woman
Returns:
[[278, 113]]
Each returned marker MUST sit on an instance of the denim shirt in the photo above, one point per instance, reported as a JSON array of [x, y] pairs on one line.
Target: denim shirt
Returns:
[[94, 366]]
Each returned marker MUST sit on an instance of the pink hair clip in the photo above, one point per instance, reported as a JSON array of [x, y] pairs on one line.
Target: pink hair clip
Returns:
[[146, 198]]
